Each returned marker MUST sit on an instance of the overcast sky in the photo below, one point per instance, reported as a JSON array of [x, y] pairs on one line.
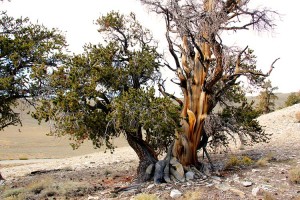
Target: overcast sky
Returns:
[[76, 19]]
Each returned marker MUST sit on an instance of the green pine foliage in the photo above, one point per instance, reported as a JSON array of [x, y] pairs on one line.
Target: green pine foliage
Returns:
[[267, 98], [27, 53], [108, 89]]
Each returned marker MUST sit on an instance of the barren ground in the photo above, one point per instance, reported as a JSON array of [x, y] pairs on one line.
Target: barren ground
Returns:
[[266, 168]]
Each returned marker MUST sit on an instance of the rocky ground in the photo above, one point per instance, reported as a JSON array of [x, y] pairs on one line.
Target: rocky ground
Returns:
[[263, 171]]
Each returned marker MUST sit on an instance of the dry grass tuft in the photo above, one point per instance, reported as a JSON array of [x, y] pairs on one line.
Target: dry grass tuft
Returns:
[[23, 158], [16, 193], [144, 196], [234, 161], [264, 161], [297, 115], [294, 175], [268, 196], [37, 186], [192, 195]]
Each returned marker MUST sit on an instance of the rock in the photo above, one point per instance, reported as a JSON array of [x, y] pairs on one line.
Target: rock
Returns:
[[93, 198], [216, 179], [175, 194], [178, 172], [189, 175], [150, 186], [257, 191], [173, 161], [179, 175], [247, 183], [149, 169], [236, 178], [159, 171], [2, 182], [223, 186]]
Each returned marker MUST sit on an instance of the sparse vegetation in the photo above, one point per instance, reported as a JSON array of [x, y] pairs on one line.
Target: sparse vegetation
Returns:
[[192, 195], [293, 99], [144, 196], [294, 175], [23, 158], [47, 187], [37, 186], [14, 193], [235, 161], [264, 161]]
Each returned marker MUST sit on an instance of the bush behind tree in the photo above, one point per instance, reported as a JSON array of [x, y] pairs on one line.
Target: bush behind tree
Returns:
[[293, 99]]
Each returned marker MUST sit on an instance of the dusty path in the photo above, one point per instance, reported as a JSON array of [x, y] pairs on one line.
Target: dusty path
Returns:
[[124, 154]]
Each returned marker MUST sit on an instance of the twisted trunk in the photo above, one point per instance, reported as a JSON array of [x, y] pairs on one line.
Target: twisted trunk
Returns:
[[196, 91], [146, 155]]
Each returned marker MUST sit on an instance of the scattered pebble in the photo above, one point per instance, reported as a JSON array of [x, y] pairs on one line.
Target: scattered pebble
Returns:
[[150, 186], [175, 194], [247, 183]]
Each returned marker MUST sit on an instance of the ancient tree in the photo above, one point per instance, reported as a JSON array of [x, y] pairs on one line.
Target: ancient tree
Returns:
[[207, 70], [107, 90]]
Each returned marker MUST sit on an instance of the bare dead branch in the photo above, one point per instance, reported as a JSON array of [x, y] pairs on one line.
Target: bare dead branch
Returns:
[[161, 88]]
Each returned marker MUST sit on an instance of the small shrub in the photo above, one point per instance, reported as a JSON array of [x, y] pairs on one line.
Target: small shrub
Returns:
[[192, 195], [298, 116], [262, 162], [232, 162], [294, 175], [246, 161], [292, 99], [237, 162], [23, 158], [144, 196]]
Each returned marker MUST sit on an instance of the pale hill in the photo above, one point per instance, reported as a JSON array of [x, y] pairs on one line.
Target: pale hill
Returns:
[[282, 123]]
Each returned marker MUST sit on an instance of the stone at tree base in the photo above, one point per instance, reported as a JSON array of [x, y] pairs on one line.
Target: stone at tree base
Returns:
[[179, 171], [189, 175], [159, 171], [150, 169], [173, 161], [150, 186], [178, 175], [175, 194]]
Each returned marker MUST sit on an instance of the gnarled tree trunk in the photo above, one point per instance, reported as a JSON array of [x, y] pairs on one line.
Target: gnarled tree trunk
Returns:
[[147, 157], [197, 99]]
